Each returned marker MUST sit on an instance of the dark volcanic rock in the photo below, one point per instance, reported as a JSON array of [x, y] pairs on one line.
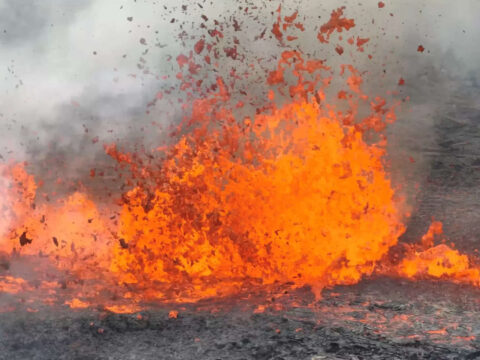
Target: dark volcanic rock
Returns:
[[377, 319]]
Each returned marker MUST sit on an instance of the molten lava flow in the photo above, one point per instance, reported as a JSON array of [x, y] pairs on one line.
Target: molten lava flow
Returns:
[[66, 229], [441, 261]]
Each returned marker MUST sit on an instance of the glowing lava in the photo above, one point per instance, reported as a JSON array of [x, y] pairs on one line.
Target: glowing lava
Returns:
[[427, 260]]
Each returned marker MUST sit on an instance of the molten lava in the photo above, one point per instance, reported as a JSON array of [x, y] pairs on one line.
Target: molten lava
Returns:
[[427, 260], [289, 196]]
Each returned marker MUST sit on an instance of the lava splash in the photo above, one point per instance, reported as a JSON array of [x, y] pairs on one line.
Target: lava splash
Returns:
[[295, 194]]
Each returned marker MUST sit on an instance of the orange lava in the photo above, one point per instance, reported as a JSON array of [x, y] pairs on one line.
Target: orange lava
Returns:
[[123, 309], [427, 260], [295, 194], [9, 284], [438, 332], [336, 23], [67, 229], [77, 304]]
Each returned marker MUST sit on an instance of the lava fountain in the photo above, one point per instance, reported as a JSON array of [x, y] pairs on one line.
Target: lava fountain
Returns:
[[298, 193]]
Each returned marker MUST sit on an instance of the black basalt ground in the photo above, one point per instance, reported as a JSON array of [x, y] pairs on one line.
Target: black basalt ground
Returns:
[[357, 322]]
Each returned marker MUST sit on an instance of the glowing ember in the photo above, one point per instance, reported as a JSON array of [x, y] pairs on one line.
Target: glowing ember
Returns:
[[77, 304], [12, 285], [67, 230]]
